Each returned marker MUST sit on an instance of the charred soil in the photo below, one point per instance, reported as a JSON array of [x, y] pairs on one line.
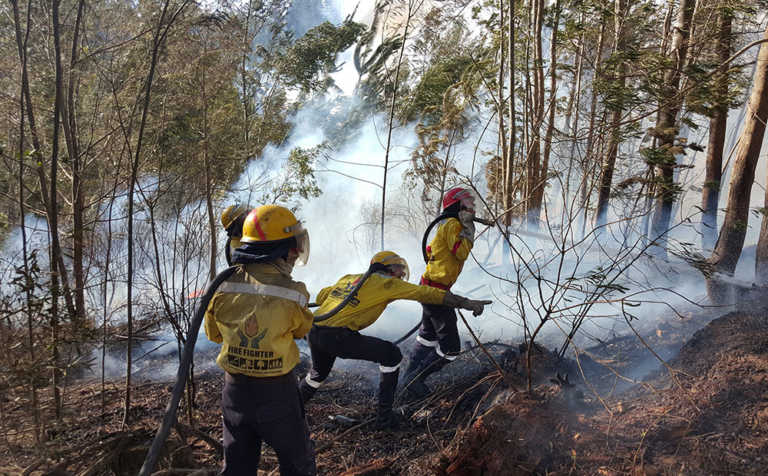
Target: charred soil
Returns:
[[704, 412]]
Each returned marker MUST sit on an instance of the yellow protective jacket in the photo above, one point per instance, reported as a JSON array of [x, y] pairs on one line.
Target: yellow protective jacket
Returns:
[[256, 314], [378, 291], [446, 254]]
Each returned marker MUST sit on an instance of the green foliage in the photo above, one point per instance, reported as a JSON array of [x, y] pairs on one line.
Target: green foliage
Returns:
[[298, 176], [308, 62]]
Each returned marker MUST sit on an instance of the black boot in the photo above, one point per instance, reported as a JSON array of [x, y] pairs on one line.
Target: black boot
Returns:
[[417, 388], [385, 417], [413, 381], [306, 391]]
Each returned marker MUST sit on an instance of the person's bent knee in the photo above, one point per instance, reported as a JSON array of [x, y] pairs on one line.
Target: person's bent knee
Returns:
[[391, 362]]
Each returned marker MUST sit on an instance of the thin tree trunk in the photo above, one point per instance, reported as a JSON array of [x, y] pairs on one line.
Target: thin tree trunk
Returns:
[[509, 167], [157, 40], [710, 194], [22, 212], [606, 175], [534, 152], [667, 129], [590, 153], [413, 7], [544, 171], [731, 238], [53, 221], [500, 113], [70, 129], [572, 114]]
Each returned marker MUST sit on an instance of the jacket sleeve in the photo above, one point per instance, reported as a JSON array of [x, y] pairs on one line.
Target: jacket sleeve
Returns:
[[323, 295], [399, 289], [211, 327], [304, 319], [459, 247]]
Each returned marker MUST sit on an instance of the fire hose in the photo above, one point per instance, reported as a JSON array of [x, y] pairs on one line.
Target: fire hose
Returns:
[[189, 346], [181, 376]]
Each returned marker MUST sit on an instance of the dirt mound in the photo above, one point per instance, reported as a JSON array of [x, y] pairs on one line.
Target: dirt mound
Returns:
[[522, 436], [709, 416]]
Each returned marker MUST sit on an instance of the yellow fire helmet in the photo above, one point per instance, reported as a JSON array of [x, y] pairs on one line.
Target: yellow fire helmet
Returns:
[[230, 217], [390, 258], [271, 223]]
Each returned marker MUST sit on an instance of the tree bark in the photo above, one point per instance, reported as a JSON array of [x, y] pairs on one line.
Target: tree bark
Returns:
[[53, 223], [544, 170], [667, 129], [609, 164], [731, 238], [710, 194], [509, 166]]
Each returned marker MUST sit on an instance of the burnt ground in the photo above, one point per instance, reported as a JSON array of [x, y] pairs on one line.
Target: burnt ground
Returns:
[[706, 412]]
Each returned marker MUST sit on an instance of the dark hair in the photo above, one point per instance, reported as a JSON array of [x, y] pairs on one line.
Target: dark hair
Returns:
[[264, 252], [452, 210]]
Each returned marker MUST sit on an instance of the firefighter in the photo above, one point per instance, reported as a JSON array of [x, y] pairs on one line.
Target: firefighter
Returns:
[[438, 340], [256, 314], [339, 336], [232, 219]]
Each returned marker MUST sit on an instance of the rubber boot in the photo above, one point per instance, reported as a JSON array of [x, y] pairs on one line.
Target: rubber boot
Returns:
[[417, 388], [385, 417], [306, 391], [413, 383]]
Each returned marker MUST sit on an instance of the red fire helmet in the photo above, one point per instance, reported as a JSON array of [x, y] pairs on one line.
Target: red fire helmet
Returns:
[[459, 194]]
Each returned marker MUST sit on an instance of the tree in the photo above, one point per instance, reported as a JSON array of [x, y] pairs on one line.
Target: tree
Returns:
[[726, 254], [670, 103]]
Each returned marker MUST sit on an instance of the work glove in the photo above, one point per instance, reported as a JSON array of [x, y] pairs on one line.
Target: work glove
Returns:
[[466, 218], [461, 302]]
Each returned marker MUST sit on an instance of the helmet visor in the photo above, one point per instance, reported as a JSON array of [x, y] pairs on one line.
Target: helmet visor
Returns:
[[467, 200], [302, 246], [399, 268]]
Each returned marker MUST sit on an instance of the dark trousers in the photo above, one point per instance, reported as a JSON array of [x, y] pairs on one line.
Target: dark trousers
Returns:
[[438, 329], [328, 343], [265, 409]]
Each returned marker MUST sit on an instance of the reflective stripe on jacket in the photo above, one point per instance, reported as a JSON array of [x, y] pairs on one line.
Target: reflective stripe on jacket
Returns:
[[256, 314], [371, 300], [446, 253]]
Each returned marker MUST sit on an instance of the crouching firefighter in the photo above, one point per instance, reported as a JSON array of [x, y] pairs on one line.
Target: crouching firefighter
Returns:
[[256, 314], [438, 340], [339, 336]]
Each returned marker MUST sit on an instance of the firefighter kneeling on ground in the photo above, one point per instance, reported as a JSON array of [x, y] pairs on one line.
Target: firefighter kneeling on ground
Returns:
[[339, 336], [438, 341], [256, 314]]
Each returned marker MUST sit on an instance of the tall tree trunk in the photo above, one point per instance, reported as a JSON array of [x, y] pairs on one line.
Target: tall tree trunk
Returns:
[[544, 171], [156, 42], [534, 152], [590, 153], [413, 7], [28, 284], [53, 222], [572, 112], [731, 238], [73, 149], [509, 166], [506, 190], [667, 128], [710, 194], [606, 175]]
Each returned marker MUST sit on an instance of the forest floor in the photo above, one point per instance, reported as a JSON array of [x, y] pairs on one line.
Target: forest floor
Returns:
[[705, 411]]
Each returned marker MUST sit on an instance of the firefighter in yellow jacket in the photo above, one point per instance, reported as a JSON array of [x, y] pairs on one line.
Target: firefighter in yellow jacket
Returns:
[[232, 219], [339, 336], [256, 314], [438, 341]]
